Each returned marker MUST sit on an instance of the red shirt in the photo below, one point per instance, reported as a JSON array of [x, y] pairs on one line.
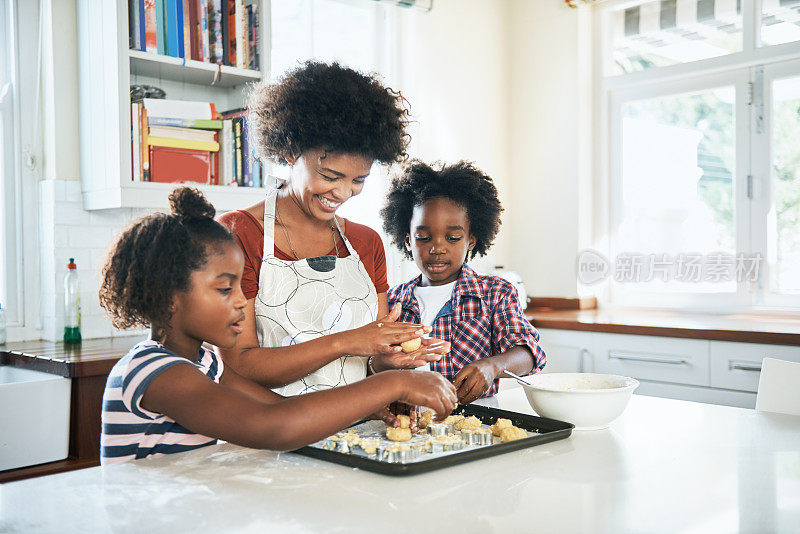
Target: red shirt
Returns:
[[250, 235]]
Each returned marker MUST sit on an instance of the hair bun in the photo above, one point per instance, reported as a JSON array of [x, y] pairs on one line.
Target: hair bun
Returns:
[[190, 203]]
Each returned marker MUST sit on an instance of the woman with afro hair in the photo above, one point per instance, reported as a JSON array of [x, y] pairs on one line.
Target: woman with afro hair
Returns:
[[440, 217], [317, 313]]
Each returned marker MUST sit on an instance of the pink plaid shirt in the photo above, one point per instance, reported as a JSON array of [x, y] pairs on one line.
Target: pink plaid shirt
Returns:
[[483, 318]]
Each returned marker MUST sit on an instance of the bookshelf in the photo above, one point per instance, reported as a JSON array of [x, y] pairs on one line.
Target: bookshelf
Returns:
[[149, 65], [106, 70]]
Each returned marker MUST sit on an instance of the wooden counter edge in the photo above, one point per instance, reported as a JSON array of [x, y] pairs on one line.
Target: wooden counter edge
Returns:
[[741, 336], [50, 468]]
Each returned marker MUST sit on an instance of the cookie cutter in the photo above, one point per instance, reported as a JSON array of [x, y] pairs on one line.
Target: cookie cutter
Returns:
[[439, 429], [483, 437], [393, 454]]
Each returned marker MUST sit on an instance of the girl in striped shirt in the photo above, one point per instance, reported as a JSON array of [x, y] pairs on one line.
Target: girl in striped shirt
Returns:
[[180, 275]]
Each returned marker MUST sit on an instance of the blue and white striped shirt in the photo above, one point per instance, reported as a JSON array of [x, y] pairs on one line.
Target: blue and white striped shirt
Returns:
[[131, 432]]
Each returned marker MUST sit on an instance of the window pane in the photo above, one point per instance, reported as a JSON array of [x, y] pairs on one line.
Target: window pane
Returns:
[[780, 21], [677, 183], [329, 30], [668, 32], [784, 227], [323, 29]]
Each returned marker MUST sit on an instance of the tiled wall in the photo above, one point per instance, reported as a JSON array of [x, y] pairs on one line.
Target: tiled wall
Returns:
[[68, 231]]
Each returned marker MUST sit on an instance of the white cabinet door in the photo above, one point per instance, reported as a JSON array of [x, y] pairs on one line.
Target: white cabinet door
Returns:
[[725, 397], [567, 350], [664, 359], [738, 365]]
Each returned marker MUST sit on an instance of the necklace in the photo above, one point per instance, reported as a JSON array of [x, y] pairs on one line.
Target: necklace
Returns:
[[289, 241]]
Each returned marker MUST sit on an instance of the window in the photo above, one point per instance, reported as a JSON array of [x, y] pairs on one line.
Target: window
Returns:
[[19, 142], [354, 33], [700, 100], [10, 299]]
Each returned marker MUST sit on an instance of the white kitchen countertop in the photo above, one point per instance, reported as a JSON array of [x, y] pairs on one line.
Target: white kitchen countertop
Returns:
[[664, 466]]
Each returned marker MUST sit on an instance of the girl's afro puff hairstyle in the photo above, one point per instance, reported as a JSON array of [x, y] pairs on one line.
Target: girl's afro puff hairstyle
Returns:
[[154, 258], [330, 107], [461, 182]]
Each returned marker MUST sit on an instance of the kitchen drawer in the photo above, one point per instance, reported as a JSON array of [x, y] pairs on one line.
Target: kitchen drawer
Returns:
[[724, 397], [664, 359], [738, 365], [566, 350]]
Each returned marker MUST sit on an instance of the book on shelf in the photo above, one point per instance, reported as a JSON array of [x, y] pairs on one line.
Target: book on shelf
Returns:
[[172, 142], [150, 29], [178, 141], [186, 30], [170, 164], [206, 124], [223, 32], [179, 109], [215, 31], [161, 27], [188, 134]]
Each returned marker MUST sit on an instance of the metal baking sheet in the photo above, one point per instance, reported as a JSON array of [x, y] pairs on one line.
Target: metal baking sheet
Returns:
[[541, 430]]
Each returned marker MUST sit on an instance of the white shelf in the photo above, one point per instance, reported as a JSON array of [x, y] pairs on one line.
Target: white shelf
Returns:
[[154, 195], [106, 70], [188, 70]]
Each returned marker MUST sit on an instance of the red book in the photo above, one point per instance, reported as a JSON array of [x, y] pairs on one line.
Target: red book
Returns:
[[232, 33], [183, 165], [151, 44]]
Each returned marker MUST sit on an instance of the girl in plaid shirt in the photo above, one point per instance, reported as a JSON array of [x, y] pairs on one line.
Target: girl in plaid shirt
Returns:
[[441, 217]]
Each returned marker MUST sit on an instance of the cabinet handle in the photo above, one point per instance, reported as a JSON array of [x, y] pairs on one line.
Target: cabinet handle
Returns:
[[648, 359], [743, 366], [583, 354]]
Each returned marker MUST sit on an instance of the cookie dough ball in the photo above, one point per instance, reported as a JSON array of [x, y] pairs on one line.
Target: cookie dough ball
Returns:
[[411, 345], [499, 425], [405, 421], [426, 418], [453, 419], [512, 433], [469, 423], [398, 434]]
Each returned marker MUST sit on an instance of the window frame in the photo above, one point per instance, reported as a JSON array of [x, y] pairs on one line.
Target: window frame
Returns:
[[762, 201], [752, 156], [21, 175]]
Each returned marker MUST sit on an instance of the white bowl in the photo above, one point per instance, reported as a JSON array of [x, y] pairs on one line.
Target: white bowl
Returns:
[[587, 400]]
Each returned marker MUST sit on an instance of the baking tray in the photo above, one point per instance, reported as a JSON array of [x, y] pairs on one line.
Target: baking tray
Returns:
[[547, 430]]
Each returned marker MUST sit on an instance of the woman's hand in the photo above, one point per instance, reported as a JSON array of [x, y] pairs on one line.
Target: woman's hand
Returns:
[[382, 336], [431, 350], [428, 389], [474, 379]]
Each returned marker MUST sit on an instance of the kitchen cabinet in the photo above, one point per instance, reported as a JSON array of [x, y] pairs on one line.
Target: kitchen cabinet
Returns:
[[682, 361], [700, 370], [567, 351], [737, 365]]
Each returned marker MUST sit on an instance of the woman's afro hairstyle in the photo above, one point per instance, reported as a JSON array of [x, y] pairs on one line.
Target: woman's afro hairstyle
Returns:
[[329, 107], [154, 258], [462, 182]]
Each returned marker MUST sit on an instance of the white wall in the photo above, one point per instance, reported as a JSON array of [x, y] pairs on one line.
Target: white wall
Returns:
[[547, 94], [454, 68], [492, 81]]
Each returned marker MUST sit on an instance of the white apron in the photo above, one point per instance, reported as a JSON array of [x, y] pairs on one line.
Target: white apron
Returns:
[[301, 300]]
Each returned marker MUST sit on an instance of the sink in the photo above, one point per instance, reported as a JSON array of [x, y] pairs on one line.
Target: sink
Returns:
[[34, 417]]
